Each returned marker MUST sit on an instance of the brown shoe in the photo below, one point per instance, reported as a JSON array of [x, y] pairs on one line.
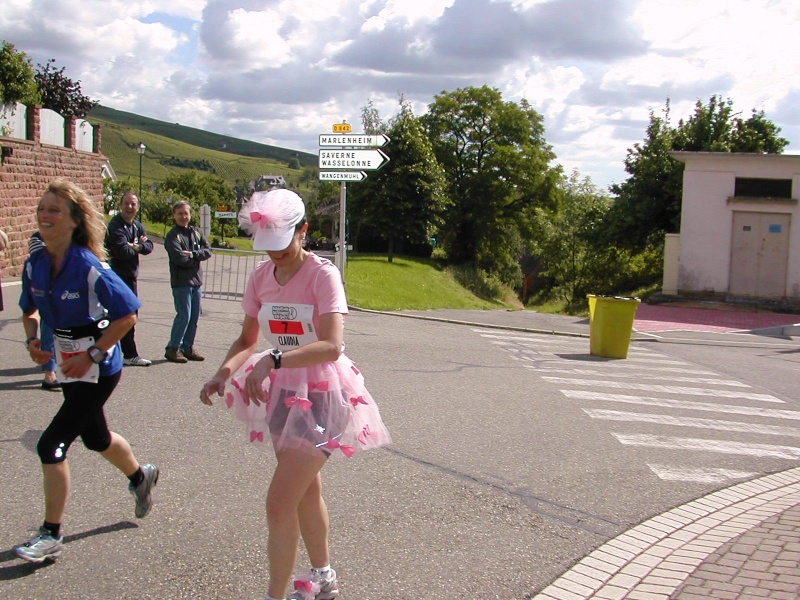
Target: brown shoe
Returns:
[[175, 355], [192, 355]]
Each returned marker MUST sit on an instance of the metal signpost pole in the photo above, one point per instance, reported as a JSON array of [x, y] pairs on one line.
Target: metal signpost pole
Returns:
[[342, 232], [343, 160]]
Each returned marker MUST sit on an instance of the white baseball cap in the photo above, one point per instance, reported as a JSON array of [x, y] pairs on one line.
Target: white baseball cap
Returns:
[[271, 217]]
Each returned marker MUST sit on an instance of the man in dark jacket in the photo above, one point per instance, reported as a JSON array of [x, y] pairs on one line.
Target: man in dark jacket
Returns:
[[187, 248], [125, 241]]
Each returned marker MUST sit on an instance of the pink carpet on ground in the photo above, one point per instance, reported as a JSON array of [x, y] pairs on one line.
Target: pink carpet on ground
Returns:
[[652, 318]]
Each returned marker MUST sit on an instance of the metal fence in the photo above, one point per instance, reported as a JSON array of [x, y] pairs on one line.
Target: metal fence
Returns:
[[225, 274]]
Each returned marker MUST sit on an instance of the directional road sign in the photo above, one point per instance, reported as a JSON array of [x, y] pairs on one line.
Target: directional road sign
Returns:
[[353, 139], [342, 176], [352, 159]]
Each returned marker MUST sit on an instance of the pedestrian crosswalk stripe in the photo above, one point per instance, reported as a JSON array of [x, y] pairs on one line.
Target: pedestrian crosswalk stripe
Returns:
[[732, 409], [715, 424], [640, 371], [712, 475], [718, 446], [666, 389], [638, 375]]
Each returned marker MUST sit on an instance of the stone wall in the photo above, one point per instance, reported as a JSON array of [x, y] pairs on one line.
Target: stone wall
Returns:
[[26, 168]]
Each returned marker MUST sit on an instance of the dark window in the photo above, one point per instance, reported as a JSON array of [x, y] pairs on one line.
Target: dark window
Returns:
[[763, 188]]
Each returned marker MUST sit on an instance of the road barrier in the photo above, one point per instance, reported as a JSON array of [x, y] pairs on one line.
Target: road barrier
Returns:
[[225, 274]]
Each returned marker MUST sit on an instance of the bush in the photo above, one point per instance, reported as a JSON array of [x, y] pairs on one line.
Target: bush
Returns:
[[479, 282]]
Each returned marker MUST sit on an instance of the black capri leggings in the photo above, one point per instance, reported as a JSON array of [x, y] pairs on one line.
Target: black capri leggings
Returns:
[[82, 415]]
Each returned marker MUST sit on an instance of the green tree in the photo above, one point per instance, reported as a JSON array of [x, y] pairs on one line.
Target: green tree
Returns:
[[568, 242], [113, 191], [496, 161], [648, 203], [17, 79], [404, 201], [200, 188], [158, 209], [60, 93]]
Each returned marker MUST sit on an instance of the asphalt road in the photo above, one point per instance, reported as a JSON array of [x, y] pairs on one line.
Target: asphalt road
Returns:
[[510, 460]]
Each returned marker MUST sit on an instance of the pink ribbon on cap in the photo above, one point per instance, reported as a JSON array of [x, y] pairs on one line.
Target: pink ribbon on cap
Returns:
[[257, 217]]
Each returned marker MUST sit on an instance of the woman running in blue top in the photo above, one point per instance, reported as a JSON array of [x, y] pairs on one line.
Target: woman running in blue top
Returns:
[[67, 286]]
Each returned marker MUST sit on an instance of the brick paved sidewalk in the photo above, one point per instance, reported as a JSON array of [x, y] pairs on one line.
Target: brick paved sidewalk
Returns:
[[740, 542]]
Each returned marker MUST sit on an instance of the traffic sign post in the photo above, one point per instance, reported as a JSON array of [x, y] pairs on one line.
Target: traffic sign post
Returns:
[[342, 176], [225, 214], [355, 140], [347, 158]]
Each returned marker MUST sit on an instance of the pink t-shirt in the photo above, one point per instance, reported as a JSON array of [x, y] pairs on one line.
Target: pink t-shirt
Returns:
[[289, 314]]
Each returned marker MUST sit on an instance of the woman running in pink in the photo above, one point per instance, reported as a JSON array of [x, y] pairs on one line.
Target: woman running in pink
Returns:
[[304, 394]]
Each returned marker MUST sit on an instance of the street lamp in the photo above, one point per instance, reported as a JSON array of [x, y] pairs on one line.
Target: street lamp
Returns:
[[140, 149]]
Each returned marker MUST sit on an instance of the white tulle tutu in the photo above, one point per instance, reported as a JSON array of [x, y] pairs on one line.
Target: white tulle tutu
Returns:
[[324, 408]]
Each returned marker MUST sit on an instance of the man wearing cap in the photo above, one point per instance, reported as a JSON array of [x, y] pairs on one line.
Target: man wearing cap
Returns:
[[125, 241], [186, 247]]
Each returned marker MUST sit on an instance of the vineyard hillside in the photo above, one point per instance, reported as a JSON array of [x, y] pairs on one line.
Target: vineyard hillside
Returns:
[[173, 148]]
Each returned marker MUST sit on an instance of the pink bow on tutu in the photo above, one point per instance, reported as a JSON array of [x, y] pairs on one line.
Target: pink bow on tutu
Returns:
[[305, 403]]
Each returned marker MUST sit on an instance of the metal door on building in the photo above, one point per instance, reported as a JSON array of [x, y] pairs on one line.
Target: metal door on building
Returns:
[[759, 254]]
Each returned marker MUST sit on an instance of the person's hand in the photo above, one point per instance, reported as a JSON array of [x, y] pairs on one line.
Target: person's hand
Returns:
[[76, 366], [255, 380], [142, 239], [216, 384], [38, 355], [187, 253]]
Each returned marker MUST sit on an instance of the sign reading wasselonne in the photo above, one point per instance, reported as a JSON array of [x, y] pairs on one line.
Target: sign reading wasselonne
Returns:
[[344, 158]]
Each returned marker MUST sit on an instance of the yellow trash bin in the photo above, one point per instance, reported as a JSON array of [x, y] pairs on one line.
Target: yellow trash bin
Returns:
[[611, 325]]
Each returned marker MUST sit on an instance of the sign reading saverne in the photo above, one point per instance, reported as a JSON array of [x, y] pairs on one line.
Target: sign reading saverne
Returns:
[[352, 159]]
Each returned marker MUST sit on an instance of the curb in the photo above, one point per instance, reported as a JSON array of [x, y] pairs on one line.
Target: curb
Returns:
[[653, 559]]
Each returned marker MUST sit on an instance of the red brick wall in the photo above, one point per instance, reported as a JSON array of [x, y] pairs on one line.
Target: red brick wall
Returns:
[[27, 168]]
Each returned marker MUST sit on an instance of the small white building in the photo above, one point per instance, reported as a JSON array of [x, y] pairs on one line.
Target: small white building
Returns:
[[740, 227]]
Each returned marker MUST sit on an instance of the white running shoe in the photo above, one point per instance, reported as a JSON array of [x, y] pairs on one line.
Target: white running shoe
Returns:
[[137, 361], [43, 546]]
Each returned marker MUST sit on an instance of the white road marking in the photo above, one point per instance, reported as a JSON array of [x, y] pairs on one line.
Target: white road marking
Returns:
[[715, 424], [733, 409], [639, 375], [702, 445], [670, 473], [619, 368], [666, 389]]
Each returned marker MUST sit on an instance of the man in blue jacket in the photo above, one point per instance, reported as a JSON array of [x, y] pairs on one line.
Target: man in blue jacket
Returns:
[[125, 241], [186, 247]]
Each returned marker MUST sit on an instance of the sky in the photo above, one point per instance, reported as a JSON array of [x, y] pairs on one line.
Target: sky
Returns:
[[282, 72]]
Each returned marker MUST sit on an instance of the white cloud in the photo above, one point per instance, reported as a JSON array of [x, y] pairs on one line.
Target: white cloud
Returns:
[[282, 71]]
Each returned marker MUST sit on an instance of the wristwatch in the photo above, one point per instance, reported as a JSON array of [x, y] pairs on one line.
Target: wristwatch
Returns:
[[96, 355], [276, 357]]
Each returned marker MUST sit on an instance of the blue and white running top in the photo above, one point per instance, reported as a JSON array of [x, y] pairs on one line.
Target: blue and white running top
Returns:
[[85, 292]]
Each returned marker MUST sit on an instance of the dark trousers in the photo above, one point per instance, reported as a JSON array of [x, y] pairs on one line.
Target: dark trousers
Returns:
[[127, 342], [82, 415]]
